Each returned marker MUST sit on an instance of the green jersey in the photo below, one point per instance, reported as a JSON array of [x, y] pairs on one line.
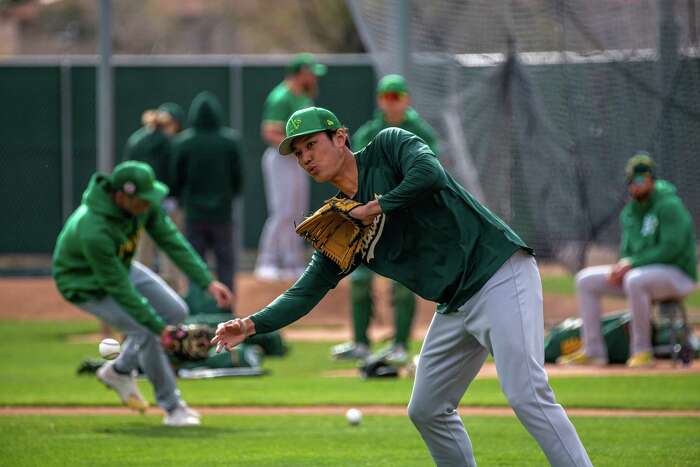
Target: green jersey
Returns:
[[412, 122], [436, 239], [94, 251], [281, 103], [659, 231]]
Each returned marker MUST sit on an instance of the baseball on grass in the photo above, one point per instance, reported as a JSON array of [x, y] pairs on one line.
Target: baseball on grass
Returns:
[[354, 416], [109, 349]]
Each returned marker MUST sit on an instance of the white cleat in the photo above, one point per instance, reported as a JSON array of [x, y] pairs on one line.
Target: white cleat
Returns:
[[182, 416], [125, 385]]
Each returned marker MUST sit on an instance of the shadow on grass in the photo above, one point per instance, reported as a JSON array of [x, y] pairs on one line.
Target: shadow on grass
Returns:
[[161, 431]]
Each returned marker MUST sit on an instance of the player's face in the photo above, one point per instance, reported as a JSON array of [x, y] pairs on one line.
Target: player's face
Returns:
[[319, 155], [131, 204], [393, 103], [640, 186]]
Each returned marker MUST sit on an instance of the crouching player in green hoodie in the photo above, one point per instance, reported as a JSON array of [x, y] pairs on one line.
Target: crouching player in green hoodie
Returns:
[[438, 241], [658, 262], [93, 268]]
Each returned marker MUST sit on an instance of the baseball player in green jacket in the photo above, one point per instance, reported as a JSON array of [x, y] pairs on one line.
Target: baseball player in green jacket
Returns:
[[394, 110], [658, 262], [438, 241], [93, 268], [281, 251]]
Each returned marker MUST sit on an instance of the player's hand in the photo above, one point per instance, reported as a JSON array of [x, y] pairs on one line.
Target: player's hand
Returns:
[[233, 332], [619, 271], [367, 212], [221, 294]]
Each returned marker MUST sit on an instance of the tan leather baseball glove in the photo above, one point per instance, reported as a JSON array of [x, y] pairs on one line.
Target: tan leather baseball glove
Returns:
[[338, 236]]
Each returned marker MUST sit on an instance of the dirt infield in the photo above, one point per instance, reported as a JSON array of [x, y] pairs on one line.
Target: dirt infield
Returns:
[[336, 410], [37, 298]]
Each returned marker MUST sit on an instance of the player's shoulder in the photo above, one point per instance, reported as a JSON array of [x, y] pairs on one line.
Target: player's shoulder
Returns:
[[393, 133], [278, 94]]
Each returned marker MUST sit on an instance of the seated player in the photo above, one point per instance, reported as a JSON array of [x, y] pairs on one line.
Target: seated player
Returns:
[[658, 262]]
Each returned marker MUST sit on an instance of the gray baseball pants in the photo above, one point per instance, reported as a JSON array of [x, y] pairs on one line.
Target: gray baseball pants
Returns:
[[505, 319], [287, 194], [141, 347], [641, 285]]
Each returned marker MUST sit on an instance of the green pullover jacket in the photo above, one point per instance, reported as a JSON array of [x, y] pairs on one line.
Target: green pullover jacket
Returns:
[[436, 239], [94, 250], [659, 231], [206, 170], [412, 122]]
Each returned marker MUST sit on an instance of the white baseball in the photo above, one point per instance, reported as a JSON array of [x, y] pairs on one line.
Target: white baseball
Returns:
[[109, 349], [354, 416]]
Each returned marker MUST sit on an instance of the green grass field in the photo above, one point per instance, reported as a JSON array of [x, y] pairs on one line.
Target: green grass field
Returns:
[[40, 359], [324, 441], [39, 369]]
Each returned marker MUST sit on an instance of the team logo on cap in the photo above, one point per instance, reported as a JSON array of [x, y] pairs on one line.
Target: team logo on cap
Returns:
[[129, 188], [295, 124], [330, 122]]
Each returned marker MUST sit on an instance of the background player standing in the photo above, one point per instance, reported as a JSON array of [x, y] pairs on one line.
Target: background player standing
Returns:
[[281, 251], [441, 243], [206, 176], [393, 110]]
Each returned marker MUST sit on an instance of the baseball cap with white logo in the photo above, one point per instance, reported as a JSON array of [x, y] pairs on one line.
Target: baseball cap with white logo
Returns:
[[305, 122], [138, 179]]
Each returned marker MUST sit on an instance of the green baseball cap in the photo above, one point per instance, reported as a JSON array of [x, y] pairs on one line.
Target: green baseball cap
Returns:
[[138, 179], [306, 60], [639, 164], [175, 111], [305, 122], [392, 83]]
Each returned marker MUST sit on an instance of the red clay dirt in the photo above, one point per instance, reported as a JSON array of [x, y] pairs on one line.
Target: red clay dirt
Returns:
[[339, 410], [37, 298]]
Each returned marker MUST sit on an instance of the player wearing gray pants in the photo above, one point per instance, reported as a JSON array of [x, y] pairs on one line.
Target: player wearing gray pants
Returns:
[[142, 347], [442, 244], [93, 269], [505, 319], [641, 286], [287, 194]]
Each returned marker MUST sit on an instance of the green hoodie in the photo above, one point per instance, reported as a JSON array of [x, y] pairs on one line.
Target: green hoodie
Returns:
[[659, 231], [151, 146], [206, 167], [94, 251], [412, 122]]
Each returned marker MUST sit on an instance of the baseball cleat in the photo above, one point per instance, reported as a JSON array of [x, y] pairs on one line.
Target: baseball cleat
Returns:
[[581, 359], [125, 385], [641, 360], [395, 354], [182, 416], [350, 351]]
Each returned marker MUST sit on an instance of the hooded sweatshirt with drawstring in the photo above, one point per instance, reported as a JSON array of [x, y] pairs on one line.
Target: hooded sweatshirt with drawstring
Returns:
[[206, 170], [659, 230], [94, 251]]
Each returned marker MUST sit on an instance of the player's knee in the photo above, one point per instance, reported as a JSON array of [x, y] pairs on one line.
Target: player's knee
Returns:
[[632, 283], [422, 411], [525, 401], [584, 279]]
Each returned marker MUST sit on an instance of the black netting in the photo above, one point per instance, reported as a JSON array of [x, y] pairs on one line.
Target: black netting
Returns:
[[540, 103]]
